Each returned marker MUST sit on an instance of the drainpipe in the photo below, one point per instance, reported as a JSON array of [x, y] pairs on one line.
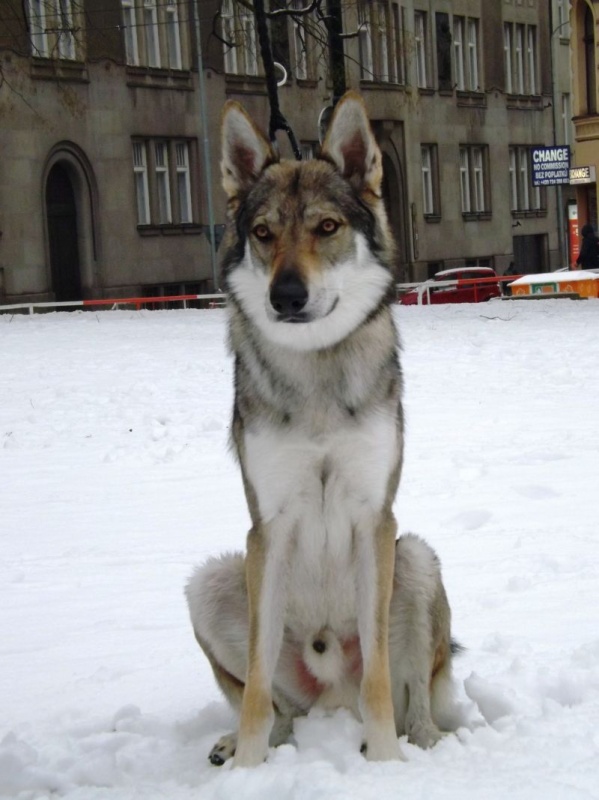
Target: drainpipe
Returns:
[[561, 222], [206, 147]]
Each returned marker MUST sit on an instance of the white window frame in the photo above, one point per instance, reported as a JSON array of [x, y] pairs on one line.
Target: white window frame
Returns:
[[365, 43], [428, 195], [472, 60], [37, 24], [140, 172], [421, 49], [513, 156], [65, 41], [382, 33], [152, 38], [474, 180], [173, 34], [163, 184], [130, 32], [465, 180], [523, 179], [229, 35], [563, 18], [247, 23], [507, 52], [478, 178], [458, 53], [519, 58], [300, 46], [531, 53], [183, 182]]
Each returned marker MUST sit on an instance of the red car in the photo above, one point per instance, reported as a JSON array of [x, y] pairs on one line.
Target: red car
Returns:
[[468, 290]]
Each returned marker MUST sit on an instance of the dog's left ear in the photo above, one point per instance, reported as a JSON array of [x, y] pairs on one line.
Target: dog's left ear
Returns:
[[245, 149], [351, 145]]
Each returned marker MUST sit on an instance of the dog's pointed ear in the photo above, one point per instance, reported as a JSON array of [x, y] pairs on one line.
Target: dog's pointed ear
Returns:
[[245, 149], [351, 146]]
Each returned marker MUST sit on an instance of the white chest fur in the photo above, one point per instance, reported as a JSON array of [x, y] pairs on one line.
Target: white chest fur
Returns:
[[314, 496]]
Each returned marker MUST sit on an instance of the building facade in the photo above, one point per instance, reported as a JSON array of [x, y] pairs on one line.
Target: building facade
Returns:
[[583, 22], [109, 134]]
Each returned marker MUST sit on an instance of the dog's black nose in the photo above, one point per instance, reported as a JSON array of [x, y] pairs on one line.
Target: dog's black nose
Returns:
[[288, 294]]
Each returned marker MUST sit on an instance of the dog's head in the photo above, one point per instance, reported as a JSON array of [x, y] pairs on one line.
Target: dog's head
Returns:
[[309, 254]]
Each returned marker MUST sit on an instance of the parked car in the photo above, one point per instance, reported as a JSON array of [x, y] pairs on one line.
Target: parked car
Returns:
[[468, 292]]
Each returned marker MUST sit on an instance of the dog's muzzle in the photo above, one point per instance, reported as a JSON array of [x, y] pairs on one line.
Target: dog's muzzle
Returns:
[[288, 297]]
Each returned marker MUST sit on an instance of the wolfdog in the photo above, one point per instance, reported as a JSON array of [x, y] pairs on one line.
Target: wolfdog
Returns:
[[326, 607]]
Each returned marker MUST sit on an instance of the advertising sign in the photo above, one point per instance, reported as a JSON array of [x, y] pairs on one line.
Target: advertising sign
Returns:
[[550, 165], [582, 175]]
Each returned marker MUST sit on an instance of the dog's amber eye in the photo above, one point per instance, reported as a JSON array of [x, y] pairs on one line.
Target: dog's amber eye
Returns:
[[327, 227], [261, 232]]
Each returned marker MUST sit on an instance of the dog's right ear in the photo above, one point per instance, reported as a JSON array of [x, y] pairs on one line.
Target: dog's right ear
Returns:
[[245, 149]]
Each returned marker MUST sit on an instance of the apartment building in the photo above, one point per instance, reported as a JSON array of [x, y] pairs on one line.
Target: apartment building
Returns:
[[583, 34], [109, 135]]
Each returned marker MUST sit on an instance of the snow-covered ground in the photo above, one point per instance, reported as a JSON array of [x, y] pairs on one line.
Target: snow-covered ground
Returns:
[[115, 480]]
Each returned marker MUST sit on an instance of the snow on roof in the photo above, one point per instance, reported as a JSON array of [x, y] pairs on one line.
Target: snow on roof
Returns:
[[557, 277], [452, 271]]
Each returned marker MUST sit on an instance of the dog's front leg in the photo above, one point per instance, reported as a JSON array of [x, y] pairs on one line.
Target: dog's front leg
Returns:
[[375, 571], [265, 575]]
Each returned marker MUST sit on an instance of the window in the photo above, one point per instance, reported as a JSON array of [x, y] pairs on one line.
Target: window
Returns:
[[531, 54], [183, 182], [474, 179], [52, 24], [130, 33], [365, 43], [173, 36], [150, 23], [420, 48], [140, 171], [430, 181], [379, 42], [229, 36], [520, 58], [307, 149], [523, 195], [152, 33], [473, 77], [37, 22], [163, 181], [382, 43], [163, 189], [248, 38], [465, 53], [458, 52], [507, 55], [396, 64], [563, 18], [299, 45], [66, 32], [443, 40]]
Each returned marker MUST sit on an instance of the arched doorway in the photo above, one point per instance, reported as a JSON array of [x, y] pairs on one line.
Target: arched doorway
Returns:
[[63, 239]]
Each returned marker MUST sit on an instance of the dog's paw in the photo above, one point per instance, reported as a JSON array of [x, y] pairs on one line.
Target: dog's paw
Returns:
[[223, 750], [424, 736]]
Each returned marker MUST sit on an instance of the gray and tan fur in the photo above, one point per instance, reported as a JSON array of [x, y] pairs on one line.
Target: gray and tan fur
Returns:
[[326, 607]]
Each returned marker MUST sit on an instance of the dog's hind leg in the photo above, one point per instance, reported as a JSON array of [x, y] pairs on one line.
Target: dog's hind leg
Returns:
[[419, 640], [375, 571]]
